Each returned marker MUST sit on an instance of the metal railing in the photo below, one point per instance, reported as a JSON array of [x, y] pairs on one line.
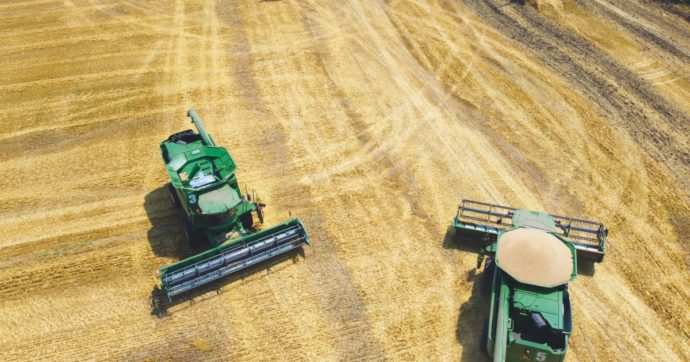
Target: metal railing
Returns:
[[587, 236]]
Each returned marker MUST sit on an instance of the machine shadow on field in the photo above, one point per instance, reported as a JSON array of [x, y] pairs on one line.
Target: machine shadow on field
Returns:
[[467, 246], [585, 268], [473, 316], [166, 235], [474, 312], [167, 239], [448, 242]]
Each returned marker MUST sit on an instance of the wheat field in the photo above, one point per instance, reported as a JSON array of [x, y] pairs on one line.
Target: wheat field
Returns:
[[370, 120]]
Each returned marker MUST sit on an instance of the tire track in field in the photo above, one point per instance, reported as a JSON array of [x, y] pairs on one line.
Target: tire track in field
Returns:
[[651, 16], [652, 38], [366, 141], [443, 59], [373, 161], [620, 95], [589, 158], [40, 280], [397, 170], [339, 299], [679, 10]]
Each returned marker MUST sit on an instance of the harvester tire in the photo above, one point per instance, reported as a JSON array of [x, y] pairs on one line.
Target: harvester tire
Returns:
[[247, 221], [195, 237], [488, 275], [173, 196], [484, 338]]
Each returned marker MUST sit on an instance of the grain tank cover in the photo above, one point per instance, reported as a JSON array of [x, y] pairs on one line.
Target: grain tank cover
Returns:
[[219, 200], [536, 257]]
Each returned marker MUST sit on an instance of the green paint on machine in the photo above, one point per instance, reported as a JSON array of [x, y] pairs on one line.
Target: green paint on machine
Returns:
[[535, 256], [203, 185]]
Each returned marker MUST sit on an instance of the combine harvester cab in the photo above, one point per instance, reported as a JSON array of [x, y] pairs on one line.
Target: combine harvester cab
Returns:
[[533, 256], [204, 187]]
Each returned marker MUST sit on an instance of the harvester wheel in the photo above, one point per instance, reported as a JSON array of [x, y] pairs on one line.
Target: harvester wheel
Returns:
[[490, 266], [195, 237], [173, 196], [484, 338], [247, 221], [488, 275]]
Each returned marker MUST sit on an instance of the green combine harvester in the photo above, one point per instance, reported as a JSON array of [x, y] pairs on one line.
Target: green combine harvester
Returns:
[[216, 213], [530, 257]]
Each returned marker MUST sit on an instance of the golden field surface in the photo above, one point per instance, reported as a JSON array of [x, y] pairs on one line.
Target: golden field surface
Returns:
[[370, 120]]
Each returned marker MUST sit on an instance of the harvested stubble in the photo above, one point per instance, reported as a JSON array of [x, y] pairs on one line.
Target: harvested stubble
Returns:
[[368, 119]]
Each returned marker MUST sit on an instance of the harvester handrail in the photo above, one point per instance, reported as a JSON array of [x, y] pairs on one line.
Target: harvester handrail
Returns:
[[575, 228], [490, 213], [485, 204], [568, 227], [482, 220], [578, 220], [581, 237], [599, 232]]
